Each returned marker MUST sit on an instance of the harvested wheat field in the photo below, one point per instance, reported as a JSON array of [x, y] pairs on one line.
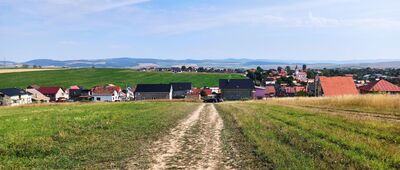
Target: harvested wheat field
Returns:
[[24, 70]]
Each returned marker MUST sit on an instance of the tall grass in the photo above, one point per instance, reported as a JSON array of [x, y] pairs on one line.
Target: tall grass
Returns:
[[369, 103]]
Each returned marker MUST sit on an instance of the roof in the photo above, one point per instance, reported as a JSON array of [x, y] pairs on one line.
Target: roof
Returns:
[[270, 89], [153, 88], [208, 92], [338, 86], [33, 86], [259, 88], [196, 91], [13, 91], [381, 85], [74, 87], [49, 90], [182, 86], [236, 84], [105, 90]]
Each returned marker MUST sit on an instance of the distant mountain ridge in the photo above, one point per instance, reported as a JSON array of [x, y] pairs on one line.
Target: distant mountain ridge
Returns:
[[224, 63]]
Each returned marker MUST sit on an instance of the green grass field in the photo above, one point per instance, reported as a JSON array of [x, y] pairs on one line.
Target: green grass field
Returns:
[[303, 138], [82, 136], [92, 77]]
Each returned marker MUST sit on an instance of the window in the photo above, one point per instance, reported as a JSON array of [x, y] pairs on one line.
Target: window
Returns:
[[98, 99]]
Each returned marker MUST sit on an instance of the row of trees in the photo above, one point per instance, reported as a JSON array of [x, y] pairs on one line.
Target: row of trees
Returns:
[[259, 75]]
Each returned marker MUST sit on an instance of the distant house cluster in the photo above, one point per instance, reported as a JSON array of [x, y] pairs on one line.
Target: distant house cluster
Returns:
[[228, 89], [285, 82]]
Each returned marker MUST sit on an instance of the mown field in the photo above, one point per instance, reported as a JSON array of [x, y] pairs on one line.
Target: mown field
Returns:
[[90, 77], [291, 137], [83, 136]]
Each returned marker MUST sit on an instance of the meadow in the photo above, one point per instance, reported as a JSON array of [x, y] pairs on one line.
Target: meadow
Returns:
[[82, 136], [305, 138], [90, 77]]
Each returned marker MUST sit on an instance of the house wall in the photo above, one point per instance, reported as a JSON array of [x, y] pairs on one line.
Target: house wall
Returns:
[[18, 100], [37, 96], [4, 100], [180, 93], [260, 93], [152, 95], [104, 98], [107, 98], [61, 94], [237, 94]]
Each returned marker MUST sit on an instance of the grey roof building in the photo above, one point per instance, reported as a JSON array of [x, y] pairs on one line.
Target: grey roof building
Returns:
[[236, 89]]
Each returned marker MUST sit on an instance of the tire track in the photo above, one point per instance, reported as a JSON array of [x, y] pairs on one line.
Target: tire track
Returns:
[[195, 143]]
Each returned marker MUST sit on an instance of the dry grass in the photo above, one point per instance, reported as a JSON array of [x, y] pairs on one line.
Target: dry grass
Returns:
[[385, 104], [24, 70]]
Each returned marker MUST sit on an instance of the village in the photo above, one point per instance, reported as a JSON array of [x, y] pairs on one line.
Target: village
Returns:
[[259, 85]]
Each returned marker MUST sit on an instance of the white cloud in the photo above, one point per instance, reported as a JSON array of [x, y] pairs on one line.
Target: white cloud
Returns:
[[57, 8], [277, 17]]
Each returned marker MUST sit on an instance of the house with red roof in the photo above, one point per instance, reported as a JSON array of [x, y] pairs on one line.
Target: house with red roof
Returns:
[[270, 91], [381, 86], [56, 94], [108, 93], [335, 86]]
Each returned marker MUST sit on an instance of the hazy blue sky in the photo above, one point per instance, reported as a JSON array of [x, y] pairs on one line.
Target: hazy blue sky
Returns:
[[181, 29]]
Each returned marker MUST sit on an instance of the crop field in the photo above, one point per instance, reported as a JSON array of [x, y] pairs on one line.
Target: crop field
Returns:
[[70, 136], [290, 136], [99, 76], [12, 70]]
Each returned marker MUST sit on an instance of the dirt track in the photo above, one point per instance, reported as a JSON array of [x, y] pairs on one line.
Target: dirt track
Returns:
[[194, 144]]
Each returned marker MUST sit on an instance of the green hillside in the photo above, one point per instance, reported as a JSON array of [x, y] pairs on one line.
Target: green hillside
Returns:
[[91, 77]]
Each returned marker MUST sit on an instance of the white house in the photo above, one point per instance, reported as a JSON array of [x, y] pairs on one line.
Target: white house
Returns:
[[14, 97], [109, 93]]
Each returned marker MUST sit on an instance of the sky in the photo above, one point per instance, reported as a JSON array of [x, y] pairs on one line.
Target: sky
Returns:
[[200, 29]]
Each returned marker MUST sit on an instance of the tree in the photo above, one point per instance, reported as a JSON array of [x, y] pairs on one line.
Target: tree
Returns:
[[288, 68], [259, 69], [183, 68], [280, 69], [304, 67], [311, 74]]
